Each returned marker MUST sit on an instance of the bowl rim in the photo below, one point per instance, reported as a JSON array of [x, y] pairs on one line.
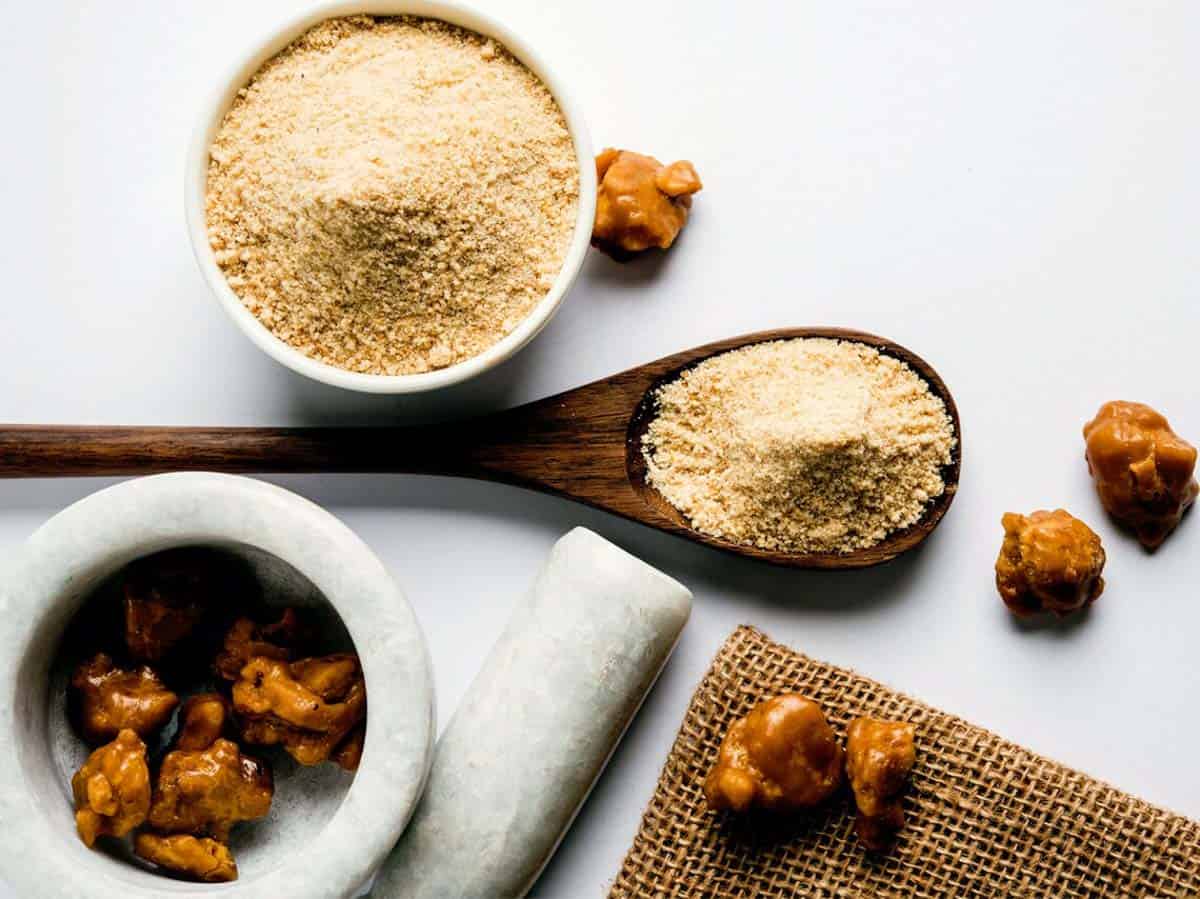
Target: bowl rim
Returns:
[[111, 527], [196, 176]]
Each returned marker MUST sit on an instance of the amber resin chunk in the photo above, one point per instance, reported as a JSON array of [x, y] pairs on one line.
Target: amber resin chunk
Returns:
[[1144, 472], [879, 758], [247, 639], [112, 789], [197, 858], [1049, 562], [107, 700], [782, 756], [201, 721], [348, 755], [309, 707], [640, 203], [208, 791]]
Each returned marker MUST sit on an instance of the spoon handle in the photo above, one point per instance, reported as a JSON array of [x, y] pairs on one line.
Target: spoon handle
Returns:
[[572, 444], [71, 451]]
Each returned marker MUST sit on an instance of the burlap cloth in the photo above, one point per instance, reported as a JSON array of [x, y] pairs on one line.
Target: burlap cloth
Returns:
[[985, 817]]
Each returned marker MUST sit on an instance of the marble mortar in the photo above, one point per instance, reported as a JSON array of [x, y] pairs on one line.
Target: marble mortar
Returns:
[[327, 831]]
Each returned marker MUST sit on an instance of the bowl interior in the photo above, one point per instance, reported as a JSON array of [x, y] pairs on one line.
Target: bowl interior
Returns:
[[305, 799], [197, 177]]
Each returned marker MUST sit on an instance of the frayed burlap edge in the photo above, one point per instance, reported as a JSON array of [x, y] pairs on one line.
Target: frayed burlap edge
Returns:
[[986, 818]]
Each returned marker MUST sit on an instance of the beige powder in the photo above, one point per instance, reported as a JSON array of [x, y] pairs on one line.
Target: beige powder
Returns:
[[807, 445], [392, 195]]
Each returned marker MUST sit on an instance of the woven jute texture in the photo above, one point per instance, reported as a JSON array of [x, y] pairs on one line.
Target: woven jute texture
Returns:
[[985, 818]]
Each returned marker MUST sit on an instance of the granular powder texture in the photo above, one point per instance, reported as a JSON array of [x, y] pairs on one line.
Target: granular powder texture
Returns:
[[392, 195], [805, 445]]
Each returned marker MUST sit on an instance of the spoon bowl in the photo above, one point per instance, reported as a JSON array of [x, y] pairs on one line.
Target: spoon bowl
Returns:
[[894, 544], [584, 444]]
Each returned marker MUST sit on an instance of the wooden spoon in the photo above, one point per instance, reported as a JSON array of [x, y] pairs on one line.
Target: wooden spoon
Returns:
[[584, 444]]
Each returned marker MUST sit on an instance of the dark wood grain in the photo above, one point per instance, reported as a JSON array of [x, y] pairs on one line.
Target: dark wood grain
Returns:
[[584, 445]]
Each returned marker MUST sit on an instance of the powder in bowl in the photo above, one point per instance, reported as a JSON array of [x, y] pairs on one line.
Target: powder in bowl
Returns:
[[804, 445], [392, 195]]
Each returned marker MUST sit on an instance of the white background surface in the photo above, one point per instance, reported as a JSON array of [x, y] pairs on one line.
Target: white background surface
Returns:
[[1008, 189]]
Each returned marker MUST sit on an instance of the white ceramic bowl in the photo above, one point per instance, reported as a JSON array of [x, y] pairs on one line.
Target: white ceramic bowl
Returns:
[[327, 831], [197, 174]]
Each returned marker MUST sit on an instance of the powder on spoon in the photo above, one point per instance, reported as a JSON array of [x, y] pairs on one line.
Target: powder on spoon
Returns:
[[392, 195], [802, 445]]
